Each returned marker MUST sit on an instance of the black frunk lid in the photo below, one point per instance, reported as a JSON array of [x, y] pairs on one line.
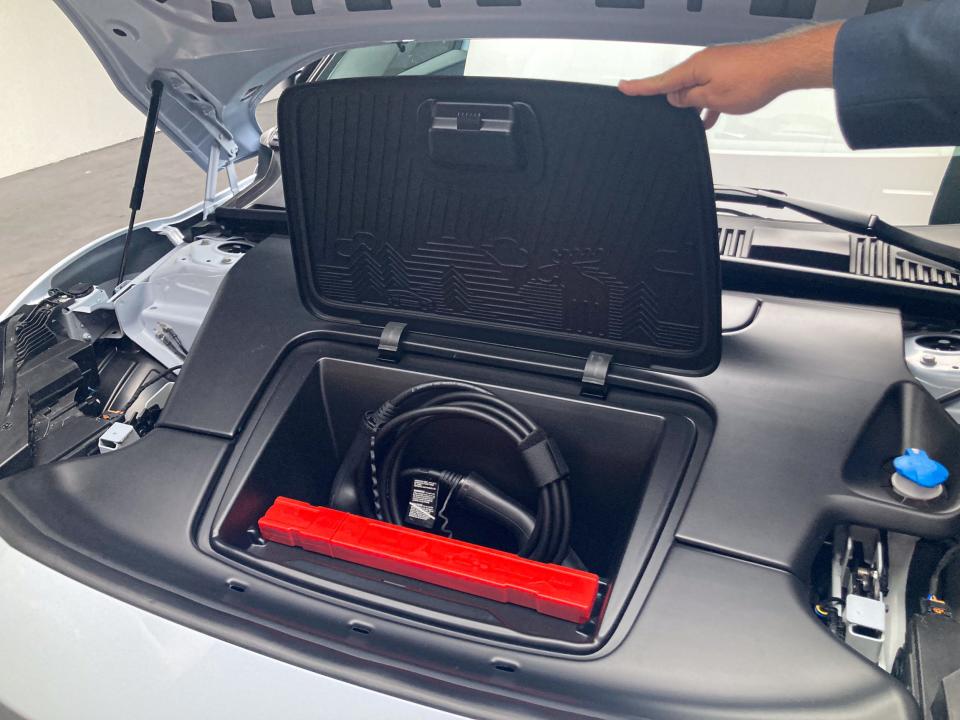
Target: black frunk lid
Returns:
[[551, 216]]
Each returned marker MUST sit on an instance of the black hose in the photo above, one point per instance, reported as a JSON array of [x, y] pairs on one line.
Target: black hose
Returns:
[[147, 381], [948, 557]]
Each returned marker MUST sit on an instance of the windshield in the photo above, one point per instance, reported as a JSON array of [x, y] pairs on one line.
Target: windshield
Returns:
[[794, 144]]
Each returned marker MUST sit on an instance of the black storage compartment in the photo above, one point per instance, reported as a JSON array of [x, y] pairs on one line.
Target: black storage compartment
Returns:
[[627, 459], [527, 217]]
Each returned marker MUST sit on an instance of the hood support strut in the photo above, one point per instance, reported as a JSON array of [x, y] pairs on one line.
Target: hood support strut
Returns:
[[146, 148]]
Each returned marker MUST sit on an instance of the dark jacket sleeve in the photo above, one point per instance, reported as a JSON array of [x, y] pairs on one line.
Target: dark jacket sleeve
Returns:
[[897, 77]]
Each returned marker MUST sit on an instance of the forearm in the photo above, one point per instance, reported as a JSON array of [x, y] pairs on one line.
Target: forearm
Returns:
[[802, 59], [895, 72], [897, 77]]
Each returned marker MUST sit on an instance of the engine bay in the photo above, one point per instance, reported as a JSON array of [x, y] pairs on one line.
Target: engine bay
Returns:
[[745, 526], [628, 501]]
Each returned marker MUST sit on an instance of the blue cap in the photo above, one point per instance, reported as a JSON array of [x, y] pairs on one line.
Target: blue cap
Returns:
[[915, 465]]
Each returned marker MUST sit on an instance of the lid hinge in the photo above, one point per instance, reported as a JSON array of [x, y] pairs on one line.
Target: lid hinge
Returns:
[[388, 349], [593, 382]]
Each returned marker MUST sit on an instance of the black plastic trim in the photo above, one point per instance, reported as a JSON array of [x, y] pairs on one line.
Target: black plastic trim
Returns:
[[715, 635], [679, 449]]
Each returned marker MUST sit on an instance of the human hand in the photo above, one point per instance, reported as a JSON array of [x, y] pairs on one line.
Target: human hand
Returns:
[[739, 79]]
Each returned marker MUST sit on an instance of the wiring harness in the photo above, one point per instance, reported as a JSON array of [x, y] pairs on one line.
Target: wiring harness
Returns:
[[948, 557], [375, 463]]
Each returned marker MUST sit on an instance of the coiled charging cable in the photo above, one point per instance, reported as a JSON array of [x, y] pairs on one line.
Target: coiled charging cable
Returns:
[[392, 426]]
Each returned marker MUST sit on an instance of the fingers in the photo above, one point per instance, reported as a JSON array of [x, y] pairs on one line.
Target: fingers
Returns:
[[690, 97], [710, 118], [682, 88], [699, 99], [644, 86], [672, 80]]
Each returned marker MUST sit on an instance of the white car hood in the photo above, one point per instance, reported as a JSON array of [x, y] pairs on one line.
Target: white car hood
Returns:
[[218, 58]]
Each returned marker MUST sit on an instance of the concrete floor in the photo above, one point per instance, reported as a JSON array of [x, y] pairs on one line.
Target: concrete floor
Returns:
[[47, 213]]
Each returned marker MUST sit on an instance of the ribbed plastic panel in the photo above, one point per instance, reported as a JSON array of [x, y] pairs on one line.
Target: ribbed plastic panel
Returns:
[[734, 242], [875, 258], [551, 216]]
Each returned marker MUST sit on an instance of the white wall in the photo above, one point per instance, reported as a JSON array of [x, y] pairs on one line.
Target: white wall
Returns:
[[57, 100]]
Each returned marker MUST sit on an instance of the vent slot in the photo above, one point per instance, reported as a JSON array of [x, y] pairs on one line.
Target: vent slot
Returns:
[[635, 4], [261, 9], [734, 242], [222, 12], [363, 5], [797, 9], [870, 257]]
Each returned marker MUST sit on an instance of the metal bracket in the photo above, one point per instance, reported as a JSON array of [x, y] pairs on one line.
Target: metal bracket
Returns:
[[210, 187], [194, 99], [593, 382], [388, 349], [223, 149], [95, 300], [213, 173]]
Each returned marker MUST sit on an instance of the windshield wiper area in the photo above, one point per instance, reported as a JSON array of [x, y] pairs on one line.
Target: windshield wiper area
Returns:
[[850, 220]]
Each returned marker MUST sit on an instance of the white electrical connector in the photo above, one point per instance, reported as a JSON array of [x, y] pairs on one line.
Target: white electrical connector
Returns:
[[865, 619], [117, 436]]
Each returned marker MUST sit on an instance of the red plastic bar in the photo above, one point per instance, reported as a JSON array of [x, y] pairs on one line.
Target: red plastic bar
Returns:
[[549, 589]]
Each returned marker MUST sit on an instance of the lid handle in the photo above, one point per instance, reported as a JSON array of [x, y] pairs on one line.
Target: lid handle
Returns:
[[474, 135]]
